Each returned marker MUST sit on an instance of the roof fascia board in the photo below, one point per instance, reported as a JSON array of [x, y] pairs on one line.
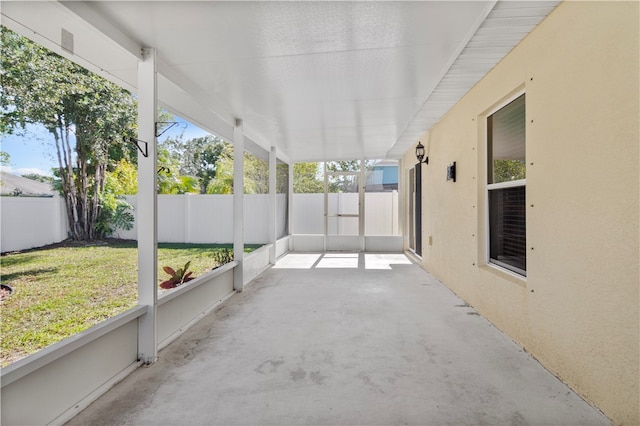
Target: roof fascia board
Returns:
[[407, 137]]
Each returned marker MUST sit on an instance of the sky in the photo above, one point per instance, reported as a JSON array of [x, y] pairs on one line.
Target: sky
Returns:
[[33, 151]]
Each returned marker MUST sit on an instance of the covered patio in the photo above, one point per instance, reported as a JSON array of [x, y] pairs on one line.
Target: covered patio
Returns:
[[371, 329], [343, 338]]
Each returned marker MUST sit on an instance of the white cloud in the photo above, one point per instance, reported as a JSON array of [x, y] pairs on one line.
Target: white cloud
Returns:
[[25, 171]]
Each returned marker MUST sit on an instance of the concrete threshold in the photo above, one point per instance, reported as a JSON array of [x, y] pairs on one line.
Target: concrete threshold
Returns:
[[342, 339]]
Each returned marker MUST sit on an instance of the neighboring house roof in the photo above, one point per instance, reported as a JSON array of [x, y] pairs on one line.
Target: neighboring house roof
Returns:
[[14, 185]]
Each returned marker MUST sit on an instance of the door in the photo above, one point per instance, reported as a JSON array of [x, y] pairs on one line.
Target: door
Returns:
[[415, 209], [343, 204]]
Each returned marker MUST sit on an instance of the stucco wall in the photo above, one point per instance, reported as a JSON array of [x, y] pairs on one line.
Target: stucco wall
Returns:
[[577, 310]]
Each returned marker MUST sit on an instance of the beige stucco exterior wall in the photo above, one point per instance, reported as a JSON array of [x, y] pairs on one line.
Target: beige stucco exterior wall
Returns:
[[577, 310]]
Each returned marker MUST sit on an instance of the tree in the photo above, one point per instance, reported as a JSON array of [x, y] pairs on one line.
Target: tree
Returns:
[[507, 170], [4, 158], [282, 178], [307, 178], [197, 157], [124, 179], [169, 179], [346, 183], [256, 175], [223, 182], [87, 117]]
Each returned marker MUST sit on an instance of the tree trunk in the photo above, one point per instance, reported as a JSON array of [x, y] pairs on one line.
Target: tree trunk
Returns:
[[65, 168], [63, 180]]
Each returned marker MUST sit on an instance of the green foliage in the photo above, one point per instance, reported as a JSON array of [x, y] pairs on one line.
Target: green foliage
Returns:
[[115, 211], [343, 166], [38, 178], [256, 175], [123, 180], [176, 277], [62, 291], [346, 183], [282, 178], [169, 179], [223, 256], [508, 170], [307, 178], [4, 158], [197, 157], [86, 116], [223, 182]]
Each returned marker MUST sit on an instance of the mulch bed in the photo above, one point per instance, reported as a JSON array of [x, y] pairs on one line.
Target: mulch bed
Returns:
[[74, 243]]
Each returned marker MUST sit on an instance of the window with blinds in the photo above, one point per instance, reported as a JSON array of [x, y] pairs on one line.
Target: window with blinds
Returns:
[[506, 186]]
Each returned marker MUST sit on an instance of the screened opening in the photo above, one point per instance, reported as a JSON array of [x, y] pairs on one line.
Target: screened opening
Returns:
[[308, 198], [381, 199], [282, 191]]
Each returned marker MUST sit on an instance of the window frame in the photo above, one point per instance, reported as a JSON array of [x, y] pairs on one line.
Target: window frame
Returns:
[[494, 263]]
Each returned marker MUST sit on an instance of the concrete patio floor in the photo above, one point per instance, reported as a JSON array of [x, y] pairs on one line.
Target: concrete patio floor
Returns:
[[342, 339]]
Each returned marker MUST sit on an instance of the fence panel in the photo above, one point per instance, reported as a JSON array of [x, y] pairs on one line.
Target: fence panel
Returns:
[[381, 213], [189, 218], [308, 214], [28, 222]]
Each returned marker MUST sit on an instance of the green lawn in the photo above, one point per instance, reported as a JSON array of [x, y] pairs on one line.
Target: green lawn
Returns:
[[61, 291]]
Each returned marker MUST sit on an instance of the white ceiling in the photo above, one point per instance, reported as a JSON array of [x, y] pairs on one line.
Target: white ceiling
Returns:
[[318, 80]]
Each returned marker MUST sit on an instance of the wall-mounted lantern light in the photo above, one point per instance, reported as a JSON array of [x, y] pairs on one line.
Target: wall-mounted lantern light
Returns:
[[451, 172], [420, 154]]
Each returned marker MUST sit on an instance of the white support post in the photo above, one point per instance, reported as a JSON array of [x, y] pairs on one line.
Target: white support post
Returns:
[[147, 209], [238, 204], [290, 205], [273, 228], [361, 209]]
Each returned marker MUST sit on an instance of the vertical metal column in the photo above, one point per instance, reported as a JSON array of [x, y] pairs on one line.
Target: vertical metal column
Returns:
[[238, 205], [147, 209], [273, 202]]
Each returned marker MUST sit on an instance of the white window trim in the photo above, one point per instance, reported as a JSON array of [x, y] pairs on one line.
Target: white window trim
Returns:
[[507, 184], [488, 187], [503, 104]]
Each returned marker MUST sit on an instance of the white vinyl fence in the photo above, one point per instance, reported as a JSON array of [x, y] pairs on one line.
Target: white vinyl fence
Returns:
[[194, 218], [380, 214], [27, 222], [190, 218]]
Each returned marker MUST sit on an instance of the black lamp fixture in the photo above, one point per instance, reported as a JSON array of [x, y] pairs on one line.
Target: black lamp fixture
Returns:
[[420, 154]]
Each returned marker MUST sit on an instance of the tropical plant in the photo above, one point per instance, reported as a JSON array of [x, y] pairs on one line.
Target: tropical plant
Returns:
[[115, 211], [170, 181], [124, 178], [177, 277], [223, 256]]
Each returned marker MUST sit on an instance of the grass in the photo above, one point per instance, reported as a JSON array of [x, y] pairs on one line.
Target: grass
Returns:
[[63, 290]]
